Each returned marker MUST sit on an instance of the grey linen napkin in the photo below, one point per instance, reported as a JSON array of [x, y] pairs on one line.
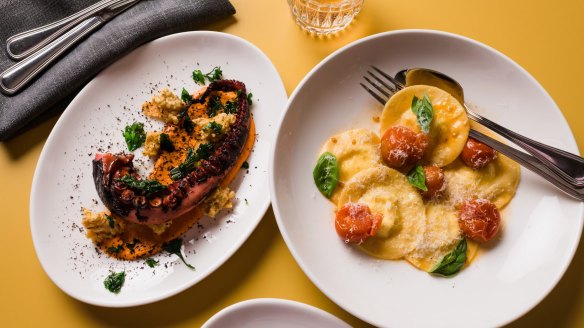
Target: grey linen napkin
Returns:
[[53, 90]]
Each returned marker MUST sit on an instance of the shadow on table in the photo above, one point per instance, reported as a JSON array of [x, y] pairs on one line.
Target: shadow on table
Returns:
[[564, 302], [198, 298]]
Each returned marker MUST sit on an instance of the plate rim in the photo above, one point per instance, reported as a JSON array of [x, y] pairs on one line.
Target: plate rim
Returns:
[[270, 301], [35, 188], [276, 208]]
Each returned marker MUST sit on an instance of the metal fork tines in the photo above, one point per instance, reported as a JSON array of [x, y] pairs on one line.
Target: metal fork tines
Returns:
[[382, 86]]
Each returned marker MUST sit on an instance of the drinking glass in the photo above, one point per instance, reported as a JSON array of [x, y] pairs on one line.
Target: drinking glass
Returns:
[[324, 16]]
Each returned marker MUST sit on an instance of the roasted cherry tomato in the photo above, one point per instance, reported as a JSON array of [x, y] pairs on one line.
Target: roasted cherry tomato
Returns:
[[479, 219], [434, 182], [402, 148], [476, 154], [355, 223]]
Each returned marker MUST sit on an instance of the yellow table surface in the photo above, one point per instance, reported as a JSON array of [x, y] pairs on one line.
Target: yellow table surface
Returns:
[[545, 37]]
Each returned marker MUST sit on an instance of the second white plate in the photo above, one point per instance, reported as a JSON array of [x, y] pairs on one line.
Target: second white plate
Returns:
[[543, 225]]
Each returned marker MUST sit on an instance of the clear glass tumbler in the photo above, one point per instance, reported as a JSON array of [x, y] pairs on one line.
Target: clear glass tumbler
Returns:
[[324, 16]]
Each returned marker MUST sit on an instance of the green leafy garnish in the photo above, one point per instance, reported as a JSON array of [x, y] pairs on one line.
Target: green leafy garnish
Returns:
[[149, 187], [165, 143], [213, 127], [173, 247], [134, 135], [151, 262], [115, 281], [115, 250], [190, 162], [417, 178], [453, 261], [187, 123], [186, 167], [231, 107], [326, 174], [424, 111], [212, 76], [111, 221], [249, 100], [245, 165], [204, 151], [199, 77], [215, 106], [185, 96]]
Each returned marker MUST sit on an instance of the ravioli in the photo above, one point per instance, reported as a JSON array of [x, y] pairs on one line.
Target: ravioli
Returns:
[[355, 150], [387, 192], [449, 127]]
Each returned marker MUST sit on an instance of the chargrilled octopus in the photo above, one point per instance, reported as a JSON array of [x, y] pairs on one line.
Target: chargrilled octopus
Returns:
[[134, 205]]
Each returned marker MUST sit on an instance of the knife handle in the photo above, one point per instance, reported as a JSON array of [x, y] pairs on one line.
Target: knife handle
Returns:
[[15, 77], [23, 44]]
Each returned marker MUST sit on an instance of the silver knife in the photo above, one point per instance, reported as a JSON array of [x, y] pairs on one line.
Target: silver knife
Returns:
[[25, 43], [18, 75]]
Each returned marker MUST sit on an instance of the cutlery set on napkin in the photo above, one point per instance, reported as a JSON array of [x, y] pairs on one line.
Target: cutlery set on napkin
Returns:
[[51, 49]]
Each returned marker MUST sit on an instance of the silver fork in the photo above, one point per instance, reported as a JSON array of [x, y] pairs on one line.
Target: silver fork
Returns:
[[385, 86]]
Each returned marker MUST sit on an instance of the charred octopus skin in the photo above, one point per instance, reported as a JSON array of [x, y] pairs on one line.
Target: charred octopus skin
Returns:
[[169, 202]]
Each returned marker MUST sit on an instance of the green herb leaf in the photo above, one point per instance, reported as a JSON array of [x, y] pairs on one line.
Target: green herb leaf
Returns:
[[199, 77], [417, 178], [424, 111], [149, 187], [185, 96], [215, 74], [190, 163], [151, 262], [249, 100], [453, 261], [204, 151], [231, 107], [187, 123], [165, 143], [115, 281], [173, 247], [245, 165], [215, 106], [326, 174], [111, 221], [213, 127], [186, 167], [134, 135]]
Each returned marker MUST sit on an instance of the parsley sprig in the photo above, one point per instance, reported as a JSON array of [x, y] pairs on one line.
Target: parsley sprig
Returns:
[[134, 135], [212, 76]]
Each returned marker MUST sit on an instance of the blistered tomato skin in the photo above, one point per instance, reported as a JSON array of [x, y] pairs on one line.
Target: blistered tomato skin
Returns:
[[434, 182], [476, 154], [355, 223], [402, 148], [479, 219]]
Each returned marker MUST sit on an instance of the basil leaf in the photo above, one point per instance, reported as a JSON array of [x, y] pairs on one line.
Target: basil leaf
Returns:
[[326, 174], [417, 178], [424, 111], [453, 261]]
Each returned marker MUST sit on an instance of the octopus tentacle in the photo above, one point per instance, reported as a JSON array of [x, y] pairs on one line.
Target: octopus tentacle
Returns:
[[171, 201]]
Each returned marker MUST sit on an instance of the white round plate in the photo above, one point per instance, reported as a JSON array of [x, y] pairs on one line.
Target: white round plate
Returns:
[[273, 312], [543, 226], [94, 121]]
